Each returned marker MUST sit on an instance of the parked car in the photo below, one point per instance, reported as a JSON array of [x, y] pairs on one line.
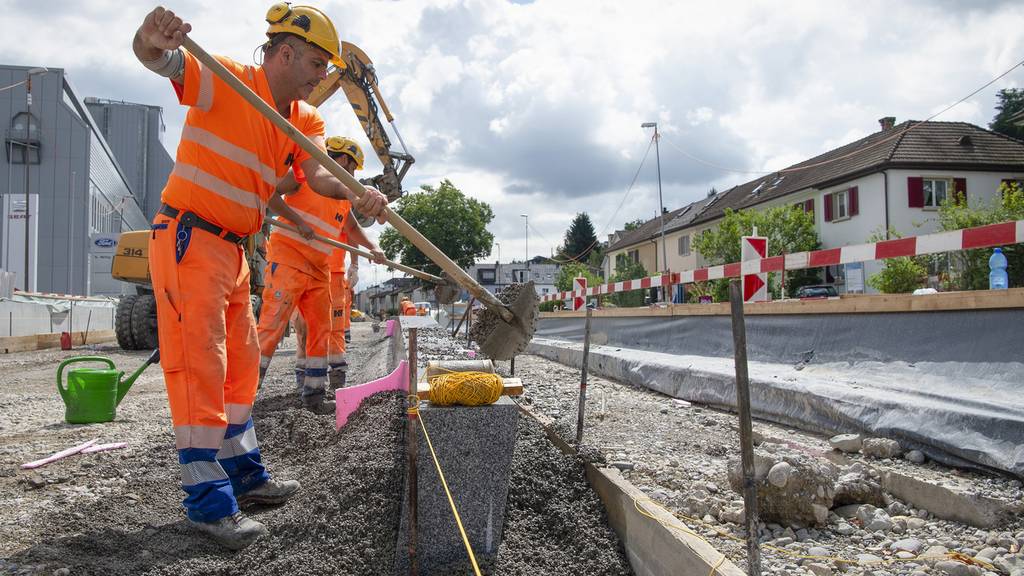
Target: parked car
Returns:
[[817, 291]]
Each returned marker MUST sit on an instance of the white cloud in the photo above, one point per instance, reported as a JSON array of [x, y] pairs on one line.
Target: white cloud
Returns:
[[540, 105]]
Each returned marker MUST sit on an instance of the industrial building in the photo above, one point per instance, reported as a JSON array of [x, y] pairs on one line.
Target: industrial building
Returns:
[[87, 170]]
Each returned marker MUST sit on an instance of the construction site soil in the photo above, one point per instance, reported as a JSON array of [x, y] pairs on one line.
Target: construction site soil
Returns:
[[678, 453], [119, 512]]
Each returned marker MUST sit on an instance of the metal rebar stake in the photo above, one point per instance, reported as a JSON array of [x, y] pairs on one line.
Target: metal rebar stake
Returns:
[[739, 340], [583, 379], [412, 450], [512, 367]]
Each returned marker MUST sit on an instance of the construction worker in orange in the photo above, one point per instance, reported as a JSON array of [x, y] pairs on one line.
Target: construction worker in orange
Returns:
[[407, 308], [299, 276], [228, 163]]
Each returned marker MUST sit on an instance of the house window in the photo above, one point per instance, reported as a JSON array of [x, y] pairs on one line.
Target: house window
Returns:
[[486, 275], [935, 192], [840, 202], [634, 255], [684, 245], [841, 205]]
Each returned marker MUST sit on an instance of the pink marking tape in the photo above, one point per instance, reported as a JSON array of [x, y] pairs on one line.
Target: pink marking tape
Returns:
[[347, 400]]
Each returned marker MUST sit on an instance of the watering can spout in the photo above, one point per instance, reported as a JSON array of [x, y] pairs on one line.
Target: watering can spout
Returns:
[[125, 384]]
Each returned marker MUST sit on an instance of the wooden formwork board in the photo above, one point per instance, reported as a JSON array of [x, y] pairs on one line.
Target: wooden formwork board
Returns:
[[11, 344], [850, 304]]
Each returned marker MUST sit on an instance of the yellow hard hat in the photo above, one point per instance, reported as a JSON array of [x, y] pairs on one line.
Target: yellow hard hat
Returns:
[[308, 23], [343, 145]]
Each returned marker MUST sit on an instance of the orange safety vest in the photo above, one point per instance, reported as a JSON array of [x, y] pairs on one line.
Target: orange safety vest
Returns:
[[336, 261], [230, 158], [408, 308], [326, 216]]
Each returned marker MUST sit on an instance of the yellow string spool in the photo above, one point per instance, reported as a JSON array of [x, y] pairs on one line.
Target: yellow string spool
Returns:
[[465, 388]]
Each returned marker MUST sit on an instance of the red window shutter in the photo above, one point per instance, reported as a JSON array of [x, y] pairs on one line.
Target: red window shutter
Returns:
[[828, 207], [852, 196], [960, 189], [915, 192], [809, 206]]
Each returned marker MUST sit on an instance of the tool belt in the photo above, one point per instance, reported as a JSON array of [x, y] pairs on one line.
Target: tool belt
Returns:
[[190, 219]]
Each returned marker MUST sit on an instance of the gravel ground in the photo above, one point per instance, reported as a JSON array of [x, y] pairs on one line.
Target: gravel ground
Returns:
[[119, 512], [677, 453]]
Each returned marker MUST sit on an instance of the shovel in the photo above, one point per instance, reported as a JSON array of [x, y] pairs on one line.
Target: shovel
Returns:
[[505, 327], [444, 291]]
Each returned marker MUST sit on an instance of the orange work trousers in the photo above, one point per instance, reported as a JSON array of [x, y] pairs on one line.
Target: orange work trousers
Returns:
[[340, 301], [209, 356], [287, 288]]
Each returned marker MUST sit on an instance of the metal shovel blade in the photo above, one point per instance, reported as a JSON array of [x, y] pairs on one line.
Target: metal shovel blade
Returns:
[[501, 340]]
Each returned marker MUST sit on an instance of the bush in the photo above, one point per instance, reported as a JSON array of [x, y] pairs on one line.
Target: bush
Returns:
[[626, 269], [900, 275]]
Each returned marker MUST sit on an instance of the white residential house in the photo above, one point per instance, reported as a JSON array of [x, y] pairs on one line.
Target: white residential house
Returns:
[[894, 178]]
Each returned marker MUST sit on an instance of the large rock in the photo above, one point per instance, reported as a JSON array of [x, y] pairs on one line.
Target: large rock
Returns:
[[805, 495], [857, 486], [881, 448], [847, 442]]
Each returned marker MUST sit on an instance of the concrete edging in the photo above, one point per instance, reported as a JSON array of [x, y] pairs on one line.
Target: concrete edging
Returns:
[[652, 548]]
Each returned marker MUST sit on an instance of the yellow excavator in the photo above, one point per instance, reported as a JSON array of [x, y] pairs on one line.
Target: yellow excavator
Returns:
[[135, 319]]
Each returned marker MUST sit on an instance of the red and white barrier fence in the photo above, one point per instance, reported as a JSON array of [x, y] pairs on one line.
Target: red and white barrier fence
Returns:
[[966, 239]]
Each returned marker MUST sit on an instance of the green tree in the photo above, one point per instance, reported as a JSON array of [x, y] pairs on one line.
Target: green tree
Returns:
[[628, 269], [630, 226], [1010, 102], [968, 269], [579, 240], [454, 222], [573, 270], [900, 275], [788, 229]]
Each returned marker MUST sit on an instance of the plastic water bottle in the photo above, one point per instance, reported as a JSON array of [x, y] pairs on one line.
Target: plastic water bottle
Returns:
[[997, 277]]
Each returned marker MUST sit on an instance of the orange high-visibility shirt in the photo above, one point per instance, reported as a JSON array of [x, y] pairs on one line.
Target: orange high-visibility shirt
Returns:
[[408, 308], [336, 261], [230, 158], [326, 216]]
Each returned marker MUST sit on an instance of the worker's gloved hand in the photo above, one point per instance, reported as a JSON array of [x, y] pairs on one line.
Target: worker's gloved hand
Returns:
[[162, 29], [306, 231], [378, 255], [372, 204], [352, 275]]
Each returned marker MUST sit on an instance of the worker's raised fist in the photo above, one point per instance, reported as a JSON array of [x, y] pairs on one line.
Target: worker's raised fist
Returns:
[[162, 29]]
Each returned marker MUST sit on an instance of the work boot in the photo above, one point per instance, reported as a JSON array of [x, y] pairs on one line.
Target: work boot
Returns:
[[317, 404], [300, 378], [337, 379], [270, 492], [233, 532]]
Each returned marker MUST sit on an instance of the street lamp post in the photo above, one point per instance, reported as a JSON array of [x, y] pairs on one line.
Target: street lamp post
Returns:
[[527, 227], [661, 203], [28, 164], [497, 267]]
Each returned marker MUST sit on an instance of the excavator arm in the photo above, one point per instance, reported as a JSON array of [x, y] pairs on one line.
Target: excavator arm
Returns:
[[359, 82]]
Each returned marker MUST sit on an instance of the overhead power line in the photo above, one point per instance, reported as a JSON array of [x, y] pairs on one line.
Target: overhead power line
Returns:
[[889, 138]]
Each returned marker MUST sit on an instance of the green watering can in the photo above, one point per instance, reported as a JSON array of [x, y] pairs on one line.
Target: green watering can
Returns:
[[92, 394]]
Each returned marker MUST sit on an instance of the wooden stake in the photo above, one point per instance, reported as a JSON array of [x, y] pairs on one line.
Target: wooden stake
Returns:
[[739, 340], [412, 452], [583, 378]]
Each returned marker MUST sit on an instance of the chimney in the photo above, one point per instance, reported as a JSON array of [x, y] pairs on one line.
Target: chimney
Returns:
[[887, 123]]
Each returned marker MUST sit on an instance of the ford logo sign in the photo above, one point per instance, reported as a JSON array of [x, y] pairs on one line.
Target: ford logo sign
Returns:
[[106, 242]]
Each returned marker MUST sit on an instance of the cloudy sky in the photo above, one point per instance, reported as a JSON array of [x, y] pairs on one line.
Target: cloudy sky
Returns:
[[535, 107]]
